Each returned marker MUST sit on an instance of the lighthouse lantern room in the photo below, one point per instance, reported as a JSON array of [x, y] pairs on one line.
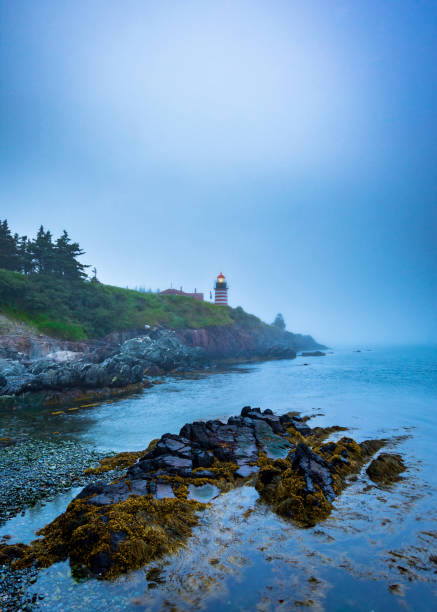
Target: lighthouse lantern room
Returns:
[[221, 290]]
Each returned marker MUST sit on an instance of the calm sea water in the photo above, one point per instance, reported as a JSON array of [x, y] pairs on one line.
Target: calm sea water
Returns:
[[376, 550]]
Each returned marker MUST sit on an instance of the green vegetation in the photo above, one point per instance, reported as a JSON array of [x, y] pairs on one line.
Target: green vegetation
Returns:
[[79, 309], [44, 285]]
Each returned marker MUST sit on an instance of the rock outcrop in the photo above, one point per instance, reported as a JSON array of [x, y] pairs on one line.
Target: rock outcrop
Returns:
[[66, 371], [238, 342], [386, 468], [118, 367], [111, 528]]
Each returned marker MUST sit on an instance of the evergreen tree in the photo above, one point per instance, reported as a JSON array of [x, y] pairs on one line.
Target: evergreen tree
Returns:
[[41, 255], [66, 258], [43, 251], [25, 255], [279, 321], [8, 248]]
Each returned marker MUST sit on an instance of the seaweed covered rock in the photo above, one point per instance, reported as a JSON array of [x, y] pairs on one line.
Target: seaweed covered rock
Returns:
[[151, 510], [386, 468], [110, 539], [304, 485]]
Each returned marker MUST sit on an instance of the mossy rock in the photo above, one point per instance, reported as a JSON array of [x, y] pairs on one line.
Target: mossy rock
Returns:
[[386, 468], [149, 512], [113, 539]]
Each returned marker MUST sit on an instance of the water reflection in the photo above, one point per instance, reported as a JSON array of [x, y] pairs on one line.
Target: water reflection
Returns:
[[372, 553], [244, 557], [23, 527]]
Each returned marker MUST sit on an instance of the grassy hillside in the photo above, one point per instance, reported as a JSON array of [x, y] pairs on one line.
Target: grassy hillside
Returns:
[[77, 310]]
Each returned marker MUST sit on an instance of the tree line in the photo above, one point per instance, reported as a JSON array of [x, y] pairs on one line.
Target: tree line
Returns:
[[42, 254]]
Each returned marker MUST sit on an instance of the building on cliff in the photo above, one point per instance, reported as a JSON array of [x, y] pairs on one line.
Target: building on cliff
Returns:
[[221, 290], [195, 295]]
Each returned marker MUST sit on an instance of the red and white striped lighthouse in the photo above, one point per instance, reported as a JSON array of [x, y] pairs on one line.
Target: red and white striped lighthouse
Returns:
[[221, 290]]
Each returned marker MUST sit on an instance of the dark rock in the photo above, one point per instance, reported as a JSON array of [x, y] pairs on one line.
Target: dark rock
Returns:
[[268, 474], [235, 342], [173, 465], [120, 368], [296, 422], [164, 490], [171, 444], [329, 448], [224, 453], [370, 447], [272, 420], [200, 434], [246, 410], [94, 488], [202, 459], [163, 463], [160, 494], [205, 474], [100, 563], [111, 494], [386, 468], [186, 431], [313, 354], [34, 362], [137, 472], [314, 469], [116, 538], [139, 487]]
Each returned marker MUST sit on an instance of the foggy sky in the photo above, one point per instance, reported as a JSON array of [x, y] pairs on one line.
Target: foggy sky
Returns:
[[290, 145]]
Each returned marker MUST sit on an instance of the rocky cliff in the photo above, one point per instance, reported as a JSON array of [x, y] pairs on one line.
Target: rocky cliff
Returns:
[[115, 366], [31, 362], [236, 342]]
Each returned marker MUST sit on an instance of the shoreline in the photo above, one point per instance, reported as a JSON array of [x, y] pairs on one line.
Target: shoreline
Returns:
[[371, 499], [90, 397], [126, 362], [292, 468], [36, 472]]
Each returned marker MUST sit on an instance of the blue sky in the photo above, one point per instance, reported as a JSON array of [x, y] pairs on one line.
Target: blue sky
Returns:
[[291, 145]]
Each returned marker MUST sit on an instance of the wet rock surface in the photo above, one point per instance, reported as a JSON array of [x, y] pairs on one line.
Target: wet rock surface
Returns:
[[58, 372], [103, 365], [33, 471], [113, 527], [386, 468]]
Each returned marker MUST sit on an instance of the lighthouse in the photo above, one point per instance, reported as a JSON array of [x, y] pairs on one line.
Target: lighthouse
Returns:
[[221, 290]]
